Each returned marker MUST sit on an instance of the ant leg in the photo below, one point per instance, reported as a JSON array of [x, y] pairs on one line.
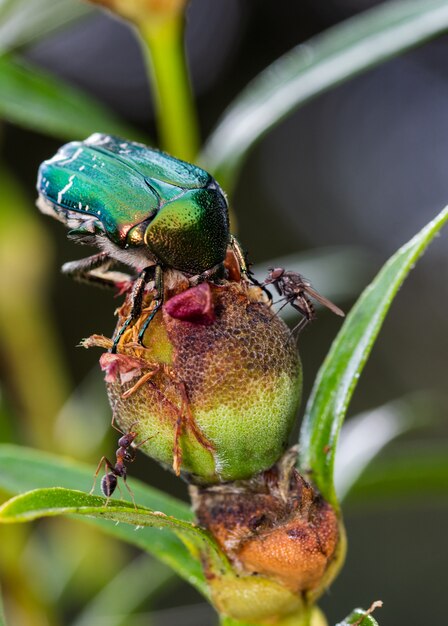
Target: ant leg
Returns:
[[112, 423], [139, 445], [131, 493], [158, 301], [177, 449], [137, 299], [103, 461], [189, 419], [186, 418], [141, 381]]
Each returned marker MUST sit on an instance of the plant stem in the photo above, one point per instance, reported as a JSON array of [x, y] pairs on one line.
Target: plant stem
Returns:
[[163, 46], [311, 616]]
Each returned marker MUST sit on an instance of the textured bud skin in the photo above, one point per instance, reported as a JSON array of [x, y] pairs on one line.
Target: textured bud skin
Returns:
[[275, 525], [238, 366]]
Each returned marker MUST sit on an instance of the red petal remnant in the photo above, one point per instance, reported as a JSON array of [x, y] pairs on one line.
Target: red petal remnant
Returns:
[[194, 305], [119, 367]]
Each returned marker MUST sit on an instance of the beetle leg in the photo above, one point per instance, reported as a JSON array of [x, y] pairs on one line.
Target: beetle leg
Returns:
[[244, 266], [238, 252], [95, 270], [158, 301], [136, 299]]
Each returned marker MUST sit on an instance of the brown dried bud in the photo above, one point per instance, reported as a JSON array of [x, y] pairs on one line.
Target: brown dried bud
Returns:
[[275, 525]]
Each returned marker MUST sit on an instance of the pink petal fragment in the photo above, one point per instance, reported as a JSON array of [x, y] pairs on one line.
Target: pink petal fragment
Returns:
[[194, 305]]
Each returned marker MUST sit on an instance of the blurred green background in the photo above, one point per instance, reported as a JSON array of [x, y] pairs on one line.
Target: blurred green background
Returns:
[[338, 185]]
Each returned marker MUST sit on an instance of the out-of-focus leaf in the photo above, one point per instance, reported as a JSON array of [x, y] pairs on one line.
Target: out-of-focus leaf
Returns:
[[34, 364], [59, 501], [24, 469], [84, 419], [364, 436], [22, 21], [412, 472], [2, 613], [360, 617], [7, 420], [34, 99], [339, 374], [135, 583], [323, 62]]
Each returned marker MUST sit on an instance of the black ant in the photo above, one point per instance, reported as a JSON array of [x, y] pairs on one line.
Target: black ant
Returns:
[[295, 289], [124, 454]]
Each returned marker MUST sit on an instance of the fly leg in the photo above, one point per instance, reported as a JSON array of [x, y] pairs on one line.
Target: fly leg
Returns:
[[304, 306]]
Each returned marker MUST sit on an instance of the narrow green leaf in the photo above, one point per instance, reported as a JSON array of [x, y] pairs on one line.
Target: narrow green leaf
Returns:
[[364, 437], [325, 61], [22, 21], [59, 501], [360, 617], [409, 473], [36, 100], [342, 367], [23, 469]]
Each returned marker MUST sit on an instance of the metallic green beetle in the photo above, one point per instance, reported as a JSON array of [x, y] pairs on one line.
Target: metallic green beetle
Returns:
[[141, 207]]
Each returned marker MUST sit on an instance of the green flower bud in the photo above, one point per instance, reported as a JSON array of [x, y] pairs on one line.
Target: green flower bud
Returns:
[[215, 390]]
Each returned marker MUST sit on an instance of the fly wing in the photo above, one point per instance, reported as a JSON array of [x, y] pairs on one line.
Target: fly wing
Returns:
[[324, 301]]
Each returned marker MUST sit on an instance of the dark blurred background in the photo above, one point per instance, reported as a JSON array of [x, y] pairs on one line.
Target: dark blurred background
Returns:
[[364, 165]]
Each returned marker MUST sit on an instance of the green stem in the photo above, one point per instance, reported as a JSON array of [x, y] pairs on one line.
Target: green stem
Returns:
[[311, 616], [163, 46]]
